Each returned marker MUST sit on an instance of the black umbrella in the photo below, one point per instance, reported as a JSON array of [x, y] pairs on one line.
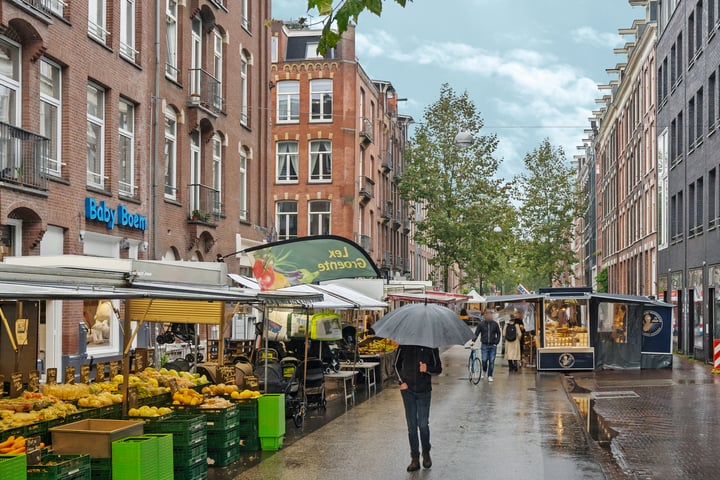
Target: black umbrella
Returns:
[[423, 324]]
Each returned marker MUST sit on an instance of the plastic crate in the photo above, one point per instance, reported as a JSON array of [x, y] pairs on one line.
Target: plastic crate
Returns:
[[223, 439], [271, 415], [248, 428], [13, 466], [197, 471], [101, 468], [271, 443], [165, 454], [135, 458], [187, 429], [11, 432], [216, 418], [188, 456], [39, 429], [62, 467], [247, 409], [222, 457], [249, 443]]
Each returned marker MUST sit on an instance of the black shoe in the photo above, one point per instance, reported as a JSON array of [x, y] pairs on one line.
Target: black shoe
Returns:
[[427, 462], [414, 464]]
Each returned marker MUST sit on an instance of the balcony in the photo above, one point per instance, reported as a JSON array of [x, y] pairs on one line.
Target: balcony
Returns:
[[366, 189], [22, 155], [365, 242], [386, 165], [205, 91], [205, 204], [366, 131], [387, 212], [406, 226]]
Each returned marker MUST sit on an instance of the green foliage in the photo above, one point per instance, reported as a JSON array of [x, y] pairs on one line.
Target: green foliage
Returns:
[[602, 281], [460, 207], [549, 197], [339, 17]]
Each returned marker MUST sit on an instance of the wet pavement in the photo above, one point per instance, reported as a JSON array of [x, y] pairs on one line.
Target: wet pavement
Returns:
[[645, 425]]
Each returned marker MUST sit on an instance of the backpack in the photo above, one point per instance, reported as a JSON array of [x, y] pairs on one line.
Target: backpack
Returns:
[[511, 332]]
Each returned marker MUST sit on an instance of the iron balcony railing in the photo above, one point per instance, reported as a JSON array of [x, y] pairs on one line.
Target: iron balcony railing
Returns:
[[205, 203], [23, 157], [205, 91]]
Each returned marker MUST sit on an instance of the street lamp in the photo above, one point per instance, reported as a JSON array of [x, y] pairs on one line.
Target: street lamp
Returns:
[[464, 139]]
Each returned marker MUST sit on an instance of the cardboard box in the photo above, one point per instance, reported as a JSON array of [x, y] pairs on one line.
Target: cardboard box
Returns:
[[93, 436]]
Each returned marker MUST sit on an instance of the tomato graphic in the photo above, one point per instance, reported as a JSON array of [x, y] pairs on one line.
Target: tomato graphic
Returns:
[[266, 278], [258, 268]]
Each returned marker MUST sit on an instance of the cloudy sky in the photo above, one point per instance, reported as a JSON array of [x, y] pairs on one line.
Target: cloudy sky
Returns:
[[530, 66]]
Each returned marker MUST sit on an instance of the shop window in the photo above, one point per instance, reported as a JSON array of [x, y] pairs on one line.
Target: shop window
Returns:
[[612, 321], [567, 323], [103, 322]]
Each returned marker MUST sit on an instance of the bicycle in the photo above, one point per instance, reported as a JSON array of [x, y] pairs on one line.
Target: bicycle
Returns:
[[473, 366]]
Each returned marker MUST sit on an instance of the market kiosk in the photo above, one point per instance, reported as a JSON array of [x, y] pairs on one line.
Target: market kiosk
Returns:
[[577, 329]]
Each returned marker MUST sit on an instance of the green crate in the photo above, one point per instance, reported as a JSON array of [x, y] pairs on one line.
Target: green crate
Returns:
[[271, 443], [11, 432], [13, 466], [249, 443], [63, 467], [187, 456], [134, 458], [247, 407], [35, 430], [222, 457], [101, 468], [197, 471], [222, 439], [216, 418], [248, 428], [188, 430], [271, 415]]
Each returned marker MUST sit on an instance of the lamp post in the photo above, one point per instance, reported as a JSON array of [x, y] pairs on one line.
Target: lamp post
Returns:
[[464, 139]]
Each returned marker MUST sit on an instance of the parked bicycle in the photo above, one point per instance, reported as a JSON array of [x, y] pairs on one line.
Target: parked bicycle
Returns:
[[473, 366]]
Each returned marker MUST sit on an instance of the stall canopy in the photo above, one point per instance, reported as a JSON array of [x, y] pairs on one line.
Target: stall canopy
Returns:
[[475, 298], [429, 297]]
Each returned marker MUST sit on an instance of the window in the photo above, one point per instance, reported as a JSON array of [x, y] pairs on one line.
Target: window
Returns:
[[217, 171], [699, 117], [699, 204], [691, 124], [242, 184], [127, 30], [95, 136], [288, 101], [245, 19], [196, 56], [287, 162], [9, 83], [712, 98], [170, 154], [311, 50], [171, 40], [320, 161], [196, 203], [103, 319], [691, 35], [50, 103], [319, 217], [126, 149], [218, 69], [97, 26], [244, 88], [662, 189], [712, 198], [286, 214], [321, 100]]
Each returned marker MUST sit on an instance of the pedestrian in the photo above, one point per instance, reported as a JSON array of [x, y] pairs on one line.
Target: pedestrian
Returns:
[[488, 334], [512, 333], [414, 365]]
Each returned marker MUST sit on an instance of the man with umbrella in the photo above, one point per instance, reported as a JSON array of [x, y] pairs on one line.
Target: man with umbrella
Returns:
[[420, 328]]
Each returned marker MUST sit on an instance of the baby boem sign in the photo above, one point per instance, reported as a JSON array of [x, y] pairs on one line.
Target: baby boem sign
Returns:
[[121, 216]]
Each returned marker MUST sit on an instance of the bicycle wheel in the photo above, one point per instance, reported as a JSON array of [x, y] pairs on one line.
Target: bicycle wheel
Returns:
[[475, 369]]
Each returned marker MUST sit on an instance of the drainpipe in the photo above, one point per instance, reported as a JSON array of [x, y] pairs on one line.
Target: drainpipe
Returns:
[[154, 154]]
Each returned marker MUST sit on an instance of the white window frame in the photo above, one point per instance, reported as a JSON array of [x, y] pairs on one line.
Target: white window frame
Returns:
[[96, 122], [663, 168], [320, 90], [244, 65], [242, 184], [127, 30], [319, 220], [171, 40], [217, 167], [284, 220], [287, 161], [126, 156], [311, 50], [195, 170], [320, 160], [170, 154], [97, 20], [288, 101], [218, 68], [51, 114], [245, 16], [10, 87], [196, 56]]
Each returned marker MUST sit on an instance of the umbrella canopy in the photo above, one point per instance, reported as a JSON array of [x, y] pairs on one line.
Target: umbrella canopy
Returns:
[[424, 324]]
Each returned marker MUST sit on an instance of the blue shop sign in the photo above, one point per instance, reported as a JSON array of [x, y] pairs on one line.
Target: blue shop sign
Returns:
[[121, 217]]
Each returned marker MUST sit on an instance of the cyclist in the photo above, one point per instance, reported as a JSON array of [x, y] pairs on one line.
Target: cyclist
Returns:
[[488, 334]]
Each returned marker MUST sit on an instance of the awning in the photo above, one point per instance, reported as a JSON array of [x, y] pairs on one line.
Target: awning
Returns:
[[429, 297], [358, 299]]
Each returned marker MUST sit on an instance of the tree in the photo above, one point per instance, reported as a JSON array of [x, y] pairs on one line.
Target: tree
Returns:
[[601, 279], [340, 15], [549, 198], [453, 189]]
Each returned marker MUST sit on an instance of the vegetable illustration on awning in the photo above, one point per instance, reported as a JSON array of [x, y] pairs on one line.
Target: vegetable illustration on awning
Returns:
[[310, 260]]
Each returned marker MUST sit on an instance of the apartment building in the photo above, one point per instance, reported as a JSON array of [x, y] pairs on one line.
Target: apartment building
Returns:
[[688, 116], [338, 143], [133, 130]]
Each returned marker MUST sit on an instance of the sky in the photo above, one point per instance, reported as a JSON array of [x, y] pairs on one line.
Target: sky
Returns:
[[531, 67]]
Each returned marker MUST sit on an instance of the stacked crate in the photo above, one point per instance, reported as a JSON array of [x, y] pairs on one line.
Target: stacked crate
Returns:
[[271, 420], [59, 467], [223, 435], [13, 466], [147, 457], [189, 443], [248, 420]]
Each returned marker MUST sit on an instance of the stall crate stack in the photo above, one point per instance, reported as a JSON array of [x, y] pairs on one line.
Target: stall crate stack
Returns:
[[60, 467], [189, 443], [13, 466], [223, 435], [271, 420], [149, 457], [248, 413]]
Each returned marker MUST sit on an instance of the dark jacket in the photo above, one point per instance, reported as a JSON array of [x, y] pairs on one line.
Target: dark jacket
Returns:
[[407, 366], [488, 331]]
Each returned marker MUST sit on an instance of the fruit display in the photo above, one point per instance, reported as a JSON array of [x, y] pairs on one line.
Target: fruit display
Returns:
[[219, 389], [373, 345], [14, 445], [101, 399], [149, 411], [245, 394], [66, 391], [31, 408], [187, 396], [216, 402]]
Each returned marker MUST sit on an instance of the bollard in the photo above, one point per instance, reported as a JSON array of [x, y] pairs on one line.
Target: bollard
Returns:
[[716, 356]]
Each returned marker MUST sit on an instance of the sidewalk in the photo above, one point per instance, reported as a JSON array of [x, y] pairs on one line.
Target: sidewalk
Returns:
[[521, 426]]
